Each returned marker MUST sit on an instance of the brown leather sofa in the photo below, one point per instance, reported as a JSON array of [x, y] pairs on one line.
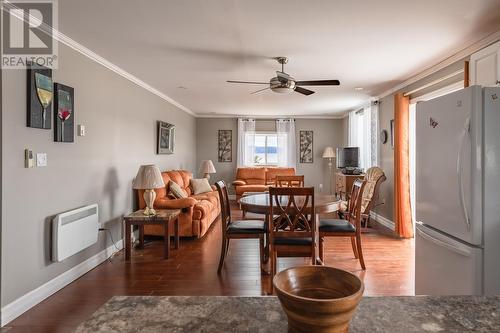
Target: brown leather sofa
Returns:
[[258, 179], [198, 211]]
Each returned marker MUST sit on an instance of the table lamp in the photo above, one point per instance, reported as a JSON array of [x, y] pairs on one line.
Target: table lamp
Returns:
[[207, 167], [329, 153], [148, 178]]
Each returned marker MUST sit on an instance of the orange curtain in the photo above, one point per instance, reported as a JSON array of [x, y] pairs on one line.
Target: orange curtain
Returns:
[[402, 206]]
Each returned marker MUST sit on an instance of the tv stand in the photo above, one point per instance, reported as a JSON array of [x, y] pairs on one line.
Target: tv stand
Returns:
[[343, 184]]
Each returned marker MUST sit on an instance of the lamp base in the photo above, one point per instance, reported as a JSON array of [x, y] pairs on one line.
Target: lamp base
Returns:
[[207, 176], [149, 198]]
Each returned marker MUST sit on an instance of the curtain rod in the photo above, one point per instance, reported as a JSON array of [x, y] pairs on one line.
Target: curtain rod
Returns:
[[267, 119], [432, 83]]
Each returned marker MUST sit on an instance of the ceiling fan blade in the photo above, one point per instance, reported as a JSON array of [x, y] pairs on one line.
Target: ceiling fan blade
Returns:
[[282, 76], [248, 82], [259, 91], [318, 83], [303, 91]]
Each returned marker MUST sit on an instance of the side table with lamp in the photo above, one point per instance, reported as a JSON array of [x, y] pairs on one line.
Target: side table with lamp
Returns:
[[148, 179]]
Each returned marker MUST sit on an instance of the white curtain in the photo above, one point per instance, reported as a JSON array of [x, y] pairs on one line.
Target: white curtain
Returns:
[[246, 142], [360, 135], [285, 128]]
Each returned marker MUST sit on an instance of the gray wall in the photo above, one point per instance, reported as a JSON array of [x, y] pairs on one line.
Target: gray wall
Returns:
[[120, 119], [207, 131], [326, 132]]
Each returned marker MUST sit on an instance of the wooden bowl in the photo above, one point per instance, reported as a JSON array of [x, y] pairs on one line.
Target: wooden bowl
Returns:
[[318, 298]]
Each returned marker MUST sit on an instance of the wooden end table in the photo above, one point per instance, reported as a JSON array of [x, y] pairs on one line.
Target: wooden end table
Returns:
[[163, 217]]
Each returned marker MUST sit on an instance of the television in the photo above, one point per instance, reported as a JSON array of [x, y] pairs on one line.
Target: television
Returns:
[[348, 158]]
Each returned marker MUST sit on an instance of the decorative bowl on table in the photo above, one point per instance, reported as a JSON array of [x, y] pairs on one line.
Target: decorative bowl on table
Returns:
[[318, 298]]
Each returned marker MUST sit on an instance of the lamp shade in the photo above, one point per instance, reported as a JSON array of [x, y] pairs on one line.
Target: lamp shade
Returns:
[[207, 166], [148, 177], [328, 152]]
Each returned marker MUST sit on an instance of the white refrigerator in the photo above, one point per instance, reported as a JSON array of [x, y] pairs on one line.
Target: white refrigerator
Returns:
[[457, 246]]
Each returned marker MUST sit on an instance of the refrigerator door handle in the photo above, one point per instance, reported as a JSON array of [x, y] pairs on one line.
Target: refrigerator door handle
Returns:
[[465, 134], [439, 242]]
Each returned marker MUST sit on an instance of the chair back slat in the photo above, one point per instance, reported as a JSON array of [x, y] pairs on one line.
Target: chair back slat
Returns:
[[291, 212], [354, 206], [224, 203], [289, 181]]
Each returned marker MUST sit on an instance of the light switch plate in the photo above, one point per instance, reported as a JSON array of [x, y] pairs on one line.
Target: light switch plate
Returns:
[[81, 130], [41, 159], [28, 158]]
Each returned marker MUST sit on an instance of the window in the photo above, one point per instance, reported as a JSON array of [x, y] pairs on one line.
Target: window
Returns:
[[266, 149], [363, 134]]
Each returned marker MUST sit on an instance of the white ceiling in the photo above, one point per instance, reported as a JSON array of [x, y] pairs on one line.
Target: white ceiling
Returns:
[[188, 49]]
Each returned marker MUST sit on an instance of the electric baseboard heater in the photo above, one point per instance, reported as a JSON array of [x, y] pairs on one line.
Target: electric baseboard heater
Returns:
[[74, 231]]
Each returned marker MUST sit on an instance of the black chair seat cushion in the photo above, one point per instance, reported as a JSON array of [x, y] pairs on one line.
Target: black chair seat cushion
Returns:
[[336, 225], [292, 241], [246, 227]]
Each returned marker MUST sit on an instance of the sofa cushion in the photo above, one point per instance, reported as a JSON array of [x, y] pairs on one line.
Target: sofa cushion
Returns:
[[181, 177], [200, 186], [176, 190], [252, 176], [250, 188]]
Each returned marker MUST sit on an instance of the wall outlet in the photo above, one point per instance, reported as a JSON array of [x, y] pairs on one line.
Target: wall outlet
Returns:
[[41, 159], [28, 158]]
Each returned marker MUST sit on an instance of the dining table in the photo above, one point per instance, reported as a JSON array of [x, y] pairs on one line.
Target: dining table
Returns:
[[260, 204]]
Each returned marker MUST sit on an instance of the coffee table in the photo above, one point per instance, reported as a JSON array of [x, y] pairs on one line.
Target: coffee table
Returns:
[[163, 217]]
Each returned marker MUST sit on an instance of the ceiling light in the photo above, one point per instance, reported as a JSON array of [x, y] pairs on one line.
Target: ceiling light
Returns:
[[358, 88]]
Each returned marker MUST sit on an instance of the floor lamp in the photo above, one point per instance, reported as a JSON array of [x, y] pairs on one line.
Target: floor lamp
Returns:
[[329, 153]]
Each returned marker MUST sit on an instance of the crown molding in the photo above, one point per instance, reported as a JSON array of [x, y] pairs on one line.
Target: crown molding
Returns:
[[463, 53], [68, 41], [265, 117]]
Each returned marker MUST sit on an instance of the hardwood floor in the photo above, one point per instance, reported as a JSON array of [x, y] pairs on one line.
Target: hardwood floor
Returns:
[[192, 270]]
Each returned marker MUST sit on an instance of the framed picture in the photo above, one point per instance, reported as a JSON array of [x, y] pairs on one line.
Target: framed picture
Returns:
[[166, 138], [39, 97], [64, 113], [225, 145], [306, 146], [392, 133]]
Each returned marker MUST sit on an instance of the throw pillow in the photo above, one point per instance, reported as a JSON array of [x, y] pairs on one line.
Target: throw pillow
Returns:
[[177, 191], [200, 186]]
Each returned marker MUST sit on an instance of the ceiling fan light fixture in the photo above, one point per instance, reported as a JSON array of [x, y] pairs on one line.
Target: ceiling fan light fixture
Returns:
[[282, 87]]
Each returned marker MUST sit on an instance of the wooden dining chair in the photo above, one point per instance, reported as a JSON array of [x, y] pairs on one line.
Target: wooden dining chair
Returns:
[[241, 229], [348, 227], [289, 181], [292, 226]]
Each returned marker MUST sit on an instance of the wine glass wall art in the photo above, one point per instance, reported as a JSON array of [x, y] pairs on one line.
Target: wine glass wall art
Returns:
[[40, 96], [64, 113]]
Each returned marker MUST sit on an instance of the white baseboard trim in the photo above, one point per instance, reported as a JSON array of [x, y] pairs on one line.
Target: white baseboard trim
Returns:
[[383, 221], [16, 308]]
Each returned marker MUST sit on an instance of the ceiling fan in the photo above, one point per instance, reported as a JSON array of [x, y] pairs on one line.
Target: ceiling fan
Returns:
[[284, 83]]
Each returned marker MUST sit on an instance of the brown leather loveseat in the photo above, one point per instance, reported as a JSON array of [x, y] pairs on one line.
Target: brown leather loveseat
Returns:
[[258, 179], [198, 211]]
